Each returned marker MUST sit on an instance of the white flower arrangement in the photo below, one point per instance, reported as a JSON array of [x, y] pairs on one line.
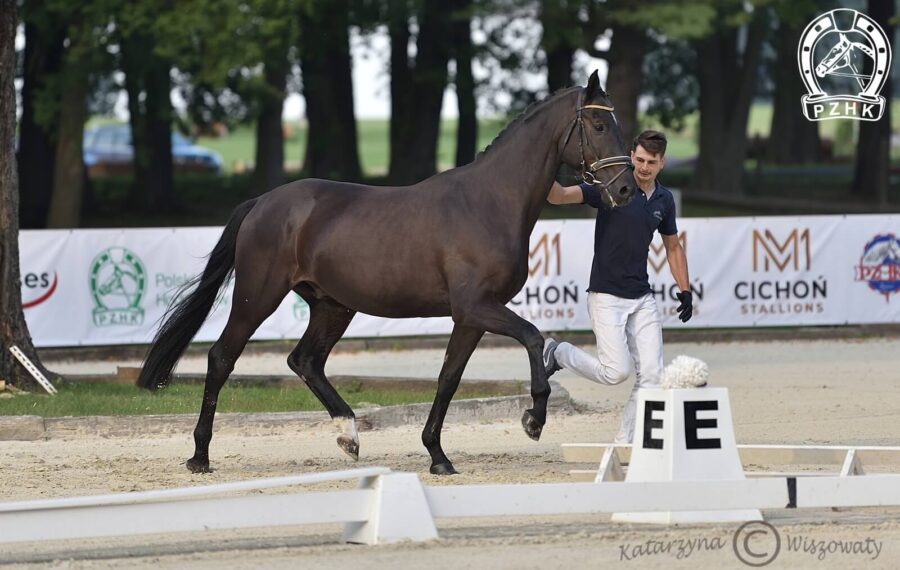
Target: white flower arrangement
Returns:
[[685, 372]]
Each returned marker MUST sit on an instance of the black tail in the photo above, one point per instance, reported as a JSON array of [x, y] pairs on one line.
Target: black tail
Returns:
[[186, 314]]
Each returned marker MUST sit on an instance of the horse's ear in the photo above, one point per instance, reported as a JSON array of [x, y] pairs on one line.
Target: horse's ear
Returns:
[[593, 87]]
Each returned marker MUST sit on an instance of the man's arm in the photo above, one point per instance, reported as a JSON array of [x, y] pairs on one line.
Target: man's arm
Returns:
[[677, 261], [678, 265], [560, 194]]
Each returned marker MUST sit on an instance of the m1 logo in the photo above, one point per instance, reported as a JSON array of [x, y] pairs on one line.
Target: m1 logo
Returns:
[[546, 256], [658, 258], [793, 250], [692, 424]]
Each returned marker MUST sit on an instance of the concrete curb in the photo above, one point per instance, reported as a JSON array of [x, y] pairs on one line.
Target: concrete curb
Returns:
[[36, 428]]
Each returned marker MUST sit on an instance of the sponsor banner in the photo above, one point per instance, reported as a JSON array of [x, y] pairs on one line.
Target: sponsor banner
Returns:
[[90, 287]]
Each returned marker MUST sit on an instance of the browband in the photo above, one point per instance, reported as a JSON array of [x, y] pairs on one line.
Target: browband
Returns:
[[602, 107]]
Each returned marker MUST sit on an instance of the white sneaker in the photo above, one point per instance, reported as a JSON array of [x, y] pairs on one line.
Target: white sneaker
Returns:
[[550, 363]]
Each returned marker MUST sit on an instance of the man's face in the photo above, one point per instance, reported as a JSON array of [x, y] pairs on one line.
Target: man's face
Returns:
[[646, 165]]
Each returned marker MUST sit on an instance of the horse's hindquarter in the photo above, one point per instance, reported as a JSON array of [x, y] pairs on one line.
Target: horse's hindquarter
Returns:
[[376, 250]]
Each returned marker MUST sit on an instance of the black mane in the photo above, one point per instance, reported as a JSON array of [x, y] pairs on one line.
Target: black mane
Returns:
[[525, 115]]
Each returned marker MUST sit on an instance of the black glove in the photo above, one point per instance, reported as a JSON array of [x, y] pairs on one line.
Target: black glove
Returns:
[[686, 308]]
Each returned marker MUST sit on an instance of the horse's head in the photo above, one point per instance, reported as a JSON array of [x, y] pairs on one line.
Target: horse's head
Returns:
[[832, 59], [593, 144]]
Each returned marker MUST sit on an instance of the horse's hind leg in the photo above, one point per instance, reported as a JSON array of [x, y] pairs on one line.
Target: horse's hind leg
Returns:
[[327, 322], [463, 341], [247, 313]]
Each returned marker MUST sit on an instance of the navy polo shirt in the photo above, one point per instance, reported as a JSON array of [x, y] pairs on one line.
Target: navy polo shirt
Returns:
[[622, 237]]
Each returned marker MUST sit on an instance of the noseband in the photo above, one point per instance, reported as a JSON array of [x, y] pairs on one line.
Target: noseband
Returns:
[[588, 171]]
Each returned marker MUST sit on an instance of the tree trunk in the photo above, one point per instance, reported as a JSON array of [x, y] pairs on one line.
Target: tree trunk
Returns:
[[401, 83], [148, 85], [37, 151], [623, 83], [871, 173], [559, 41], [269, 170], [792, 138], [727, 83], [69, 175], [467, 128], [415, 157], [13, 328], [331, 148]]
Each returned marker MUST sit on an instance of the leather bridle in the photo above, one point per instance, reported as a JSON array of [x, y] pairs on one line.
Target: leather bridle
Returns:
[[589, 170]]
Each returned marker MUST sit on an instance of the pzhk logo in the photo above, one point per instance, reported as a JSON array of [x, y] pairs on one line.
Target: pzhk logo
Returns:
[[879, 265], [844, 59], [118, 280]]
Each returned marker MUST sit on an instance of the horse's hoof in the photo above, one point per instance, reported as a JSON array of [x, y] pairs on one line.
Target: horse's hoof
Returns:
[[198, 466], [443, 469], [532, 427], [349, 445]]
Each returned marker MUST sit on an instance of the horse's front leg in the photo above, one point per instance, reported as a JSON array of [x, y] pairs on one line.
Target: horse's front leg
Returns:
[[494, 317], [463, 341]]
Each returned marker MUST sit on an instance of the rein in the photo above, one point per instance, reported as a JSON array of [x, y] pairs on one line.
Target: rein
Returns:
[[588, 171]]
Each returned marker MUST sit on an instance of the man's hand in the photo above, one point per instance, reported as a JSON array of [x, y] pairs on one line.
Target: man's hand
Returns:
[[686, 308]]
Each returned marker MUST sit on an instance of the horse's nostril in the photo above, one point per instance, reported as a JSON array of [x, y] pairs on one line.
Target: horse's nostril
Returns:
[[623, 191]]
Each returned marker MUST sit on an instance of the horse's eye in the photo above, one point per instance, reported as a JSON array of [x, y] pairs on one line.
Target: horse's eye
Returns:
[[600, 127]]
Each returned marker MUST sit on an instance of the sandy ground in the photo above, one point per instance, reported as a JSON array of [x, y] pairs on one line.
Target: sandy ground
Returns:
[[839, 392]]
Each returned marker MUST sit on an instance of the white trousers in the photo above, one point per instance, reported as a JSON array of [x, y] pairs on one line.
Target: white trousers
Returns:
[[629, 337]]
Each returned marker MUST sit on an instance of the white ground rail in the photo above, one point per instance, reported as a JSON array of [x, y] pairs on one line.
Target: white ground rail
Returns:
[[389, 507]]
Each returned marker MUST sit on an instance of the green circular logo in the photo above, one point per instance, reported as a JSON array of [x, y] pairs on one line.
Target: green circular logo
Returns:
[[117, 281]]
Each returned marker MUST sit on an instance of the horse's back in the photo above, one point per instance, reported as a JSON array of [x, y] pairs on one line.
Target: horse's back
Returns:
[[377, 249]]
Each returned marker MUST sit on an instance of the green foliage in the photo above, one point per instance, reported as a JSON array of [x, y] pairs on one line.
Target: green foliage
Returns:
[[675, 19]]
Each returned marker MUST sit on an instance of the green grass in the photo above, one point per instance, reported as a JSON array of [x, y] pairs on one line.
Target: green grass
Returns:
[[94, 399], [238, 148]]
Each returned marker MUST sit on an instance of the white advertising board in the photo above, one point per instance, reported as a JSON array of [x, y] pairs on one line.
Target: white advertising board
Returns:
[[92, 287]]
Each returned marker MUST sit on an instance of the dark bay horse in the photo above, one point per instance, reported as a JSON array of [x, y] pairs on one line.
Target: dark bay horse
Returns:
[[455, 244]]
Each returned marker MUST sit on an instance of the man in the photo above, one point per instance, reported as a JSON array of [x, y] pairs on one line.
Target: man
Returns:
[[623, 311]]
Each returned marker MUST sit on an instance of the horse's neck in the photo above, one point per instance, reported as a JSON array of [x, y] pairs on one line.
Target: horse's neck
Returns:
[[524, 165]]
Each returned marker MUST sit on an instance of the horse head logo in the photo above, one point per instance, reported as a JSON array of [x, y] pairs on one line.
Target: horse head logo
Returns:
[[860, 50]]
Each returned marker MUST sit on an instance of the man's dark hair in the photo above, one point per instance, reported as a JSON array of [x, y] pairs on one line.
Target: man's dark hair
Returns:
[[653, 141]]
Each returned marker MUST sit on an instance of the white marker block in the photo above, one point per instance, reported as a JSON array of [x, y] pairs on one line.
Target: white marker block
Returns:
[[685, 435]]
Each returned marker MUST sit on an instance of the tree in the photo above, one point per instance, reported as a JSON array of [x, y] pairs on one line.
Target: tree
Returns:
[[634, 34], [80, 59], [463, 53], [871, 172], [727, 76], [277, 33], [13, 328], [331, 148], [44, 40], [559, 40], [792, 138], [417, 87], [148, 84]]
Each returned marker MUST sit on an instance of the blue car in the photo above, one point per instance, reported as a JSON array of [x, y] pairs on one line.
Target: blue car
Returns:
[[108, 150]]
